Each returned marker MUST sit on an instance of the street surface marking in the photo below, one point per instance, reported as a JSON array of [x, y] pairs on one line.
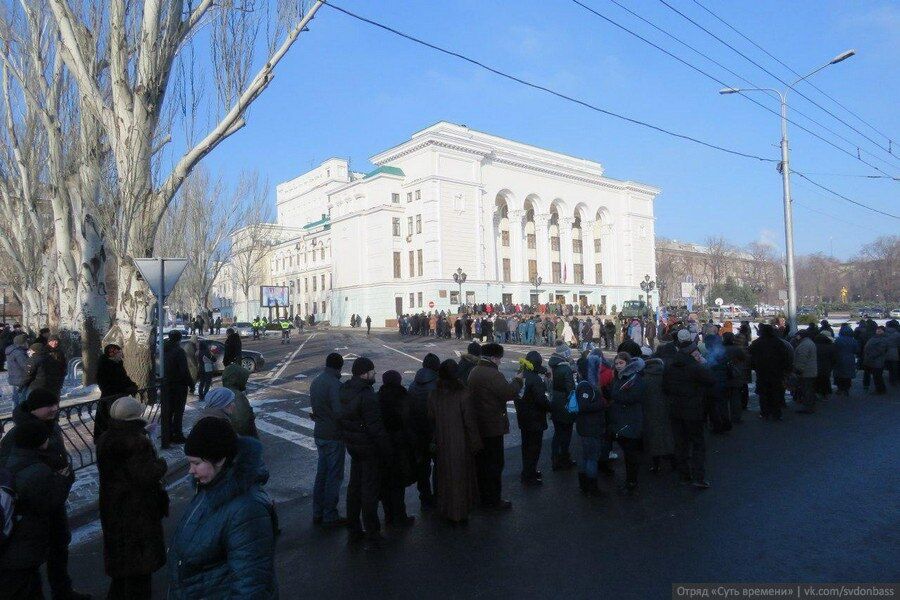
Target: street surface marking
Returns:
[[292, 418], [403, 353], [295, 437], [409, 372], [350, 356], [293, 355]]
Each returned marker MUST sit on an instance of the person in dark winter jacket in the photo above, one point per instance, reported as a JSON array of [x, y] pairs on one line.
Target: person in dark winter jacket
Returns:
[[531, 413], [369, 446], [232, 347], [846, 348], [41, 492], [686, 382], [826, 356], [658, 441], [17, 366], [875, 355], [41, 408], [772, 361], [590, 423], [630, 346], [423, 384], [563, 420], [627, 392], [133, 502], [736, 364], [325, 400], [224, 546], [399, 472], [468, 361], [806, 368], [718, 407], [44, 370], [174, 391], [113, 382], [234, 378]]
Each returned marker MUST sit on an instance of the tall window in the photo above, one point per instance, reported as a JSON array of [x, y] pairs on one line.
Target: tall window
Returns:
[[532, 269], [396, 226], [412, 263], [419, 295], [418, 223], [322, 255], [323, 281], [507, 270], [504, 238], [419, 256], [409, 196], [306, 284], [395, 198], [314, 282], [554, 243], [598, 273], [597, 246], [397, 274], [323, 306], [409, 225], [418, 194], [412, 300], [576, 246], [557, 273], [579, 273], [532, 241]]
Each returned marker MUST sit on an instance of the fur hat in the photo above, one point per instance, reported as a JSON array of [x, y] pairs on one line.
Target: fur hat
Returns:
[[127, 408], [492, 350]]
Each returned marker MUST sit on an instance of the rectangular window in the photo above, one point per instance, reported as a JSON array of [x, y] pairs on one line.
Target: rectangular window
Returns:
[[329, 281], [579, 273], [323, 281], [412, 300], [306, 284], [409, 196], [418, 223], [314, 282], [554, 243], [323, 254], [418, 194], [454, 297], [290, 261], [597, 246], [419, 297], [412, 263], [576, 246], [507, 270], [504, 238], [397, 274], [306, 308], [532, 241], [598, 273], [409, 225], [395, 198], [419, 257], [557, 273], [532, 269], [506, 298], [323, 306], [396, 226]]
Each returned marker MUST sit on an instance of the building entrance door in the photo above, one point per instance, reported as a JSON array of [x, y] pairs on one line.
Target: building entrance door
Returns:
[[582, 300], [398, 305]]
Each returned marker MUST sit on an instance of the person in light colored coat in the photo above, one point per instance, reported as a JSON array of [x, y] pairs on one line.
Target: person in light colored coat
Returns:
[[806, 369]]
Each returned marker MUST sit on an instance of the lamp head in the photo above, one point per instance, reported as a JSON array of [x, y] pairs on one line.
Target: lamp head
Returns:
[[729, 90], [842, 56]]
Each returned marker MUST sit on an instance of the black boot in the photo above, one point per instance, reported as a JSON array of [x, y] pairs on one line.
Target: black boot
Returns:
[[582, 483]]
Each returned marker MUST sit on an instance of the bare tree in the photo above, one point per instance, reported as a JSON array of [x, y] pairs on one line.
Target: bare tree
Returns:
[[718, 260], [880, 262], [252, 243], [143, 40], [765, 272]]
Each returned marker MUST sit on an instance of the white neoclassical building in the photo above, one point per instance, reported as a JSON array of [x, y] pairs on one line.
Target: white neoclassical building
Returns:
[[450, 198]]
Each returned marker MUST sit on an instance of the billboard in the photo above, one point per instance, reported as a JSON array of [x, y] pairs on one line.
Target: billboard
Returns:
[[271, 296]]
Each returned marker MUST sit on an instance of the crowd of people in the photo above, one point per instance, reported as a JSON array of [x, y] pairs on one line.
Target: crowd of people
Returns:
[[443, 433]]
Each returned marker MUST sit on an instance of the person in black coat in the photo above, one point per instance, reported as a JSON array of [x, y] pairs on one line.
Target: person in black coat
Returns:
[[369, 446], [590, 423], [174, 391], [400, 471], [44, 370], [133, 502], [826, 358], [532, 407], [772, 361], [232, 347], [630, 346], [423, 384], [114, 382]]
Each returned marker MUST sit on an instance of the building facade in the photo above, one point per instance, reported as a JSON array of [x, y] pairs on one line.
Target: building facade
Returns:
[[451, 200]]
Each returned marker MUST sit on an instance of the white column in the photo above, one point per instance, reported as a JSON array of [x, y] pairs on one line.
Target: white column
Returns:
[[587, 253], [516, 245], [542, 238], [607, 255], [565, 248]]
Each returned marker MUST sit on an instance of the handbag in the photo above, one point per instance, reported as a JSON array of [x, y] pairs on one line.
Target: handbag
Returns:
[[572, 403]]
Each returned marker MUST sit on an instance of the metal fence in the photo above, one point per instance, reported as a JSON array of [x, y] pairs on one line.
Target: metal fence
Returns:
[[76, 422]]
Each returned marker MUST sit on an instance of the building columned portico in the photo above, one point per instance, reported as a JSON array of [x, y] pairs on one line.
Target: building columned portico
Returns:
[[451, 197]]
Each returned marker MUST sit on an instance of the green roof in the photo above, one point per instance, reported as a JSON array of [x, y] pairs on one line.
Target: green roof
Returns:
[[386, 171], [325, 220]]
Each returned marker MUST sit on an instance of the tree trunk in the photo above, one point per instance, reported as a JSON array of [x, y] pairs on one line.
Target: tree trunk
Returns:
[[132, 329], [94, 306]]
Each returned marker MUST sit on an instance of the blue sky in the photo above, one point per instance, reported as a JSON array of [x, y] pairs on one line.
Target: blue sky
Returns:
[[347, 89]]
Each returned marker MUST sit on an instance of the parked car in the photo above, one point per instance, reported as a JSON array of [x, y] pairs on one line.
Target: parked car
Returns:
[[895, 314], [245, 329], [250, 359]]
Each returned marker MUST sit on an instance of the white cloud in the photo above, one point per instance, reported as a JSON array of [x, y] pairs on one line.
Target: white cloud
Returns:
[[767, 237]]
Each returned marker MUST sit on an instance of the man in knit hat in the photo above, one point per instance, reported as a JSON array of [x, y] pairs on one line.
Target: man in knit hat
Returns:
[[423, 384], [368, 444], [325, 401]]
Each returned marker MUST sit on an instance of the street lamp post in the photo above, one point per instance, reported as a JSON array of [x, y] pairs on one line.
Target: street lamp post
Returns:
[[785, 169], [648, 286], [536, 281], [700, 287], [460, 278]]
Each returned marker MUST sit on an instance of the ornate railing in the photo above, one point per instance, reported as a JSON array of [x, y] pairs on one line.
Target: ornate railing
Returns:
[[76, 421]]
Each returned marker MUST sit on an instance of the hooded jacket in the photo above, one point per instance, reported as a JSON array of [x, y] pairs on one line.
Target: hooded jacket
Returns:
[[825, 355], [467, 362], [325, 400], [55, 455], [45, 370], [591, 418], [563, 385], [658, 437], [876, 351], [490, 392], [360, 419], [685, 384], [532, 405], [769, 356], [805, 361], [423, 384], [16, 365], [235, 377], [224, 546], [627, 392], [846, 348]]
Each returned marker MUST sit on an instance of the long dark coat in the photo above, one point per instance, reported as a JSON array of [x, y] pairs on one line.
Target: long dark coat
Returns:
[[133, 502], [394, 403], [457, 439], [658, 438]]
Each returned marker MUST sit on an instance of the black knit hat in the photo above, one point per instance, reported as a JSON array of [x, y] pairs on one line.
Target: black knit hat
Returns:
[[39, 398], [211, 439], [392, 378], [334, 361], [492, 351], [361, 366], [431, 362], [30, 435], [474, 349]]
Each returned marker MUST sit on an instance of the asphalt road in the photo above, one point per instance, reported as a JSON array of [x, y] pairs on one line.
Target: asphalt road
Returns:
[[811, 499]]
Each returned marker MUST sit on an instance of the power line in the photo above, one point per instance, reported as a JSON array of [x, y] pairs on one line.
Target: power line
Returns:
[[732, 72], [799, 93], [546, 89], [722, 83], [806, 206], [850, 200], [792, 70], [885, 177]]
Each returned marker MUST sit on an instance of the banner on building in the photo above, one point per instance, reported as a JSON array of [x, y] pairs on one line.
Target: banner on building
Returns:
[[271, 296]]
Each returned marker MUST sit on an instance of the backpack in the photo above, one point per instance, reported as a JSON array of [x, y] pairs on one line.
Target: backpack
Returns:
[[7, 505], [572, 403]]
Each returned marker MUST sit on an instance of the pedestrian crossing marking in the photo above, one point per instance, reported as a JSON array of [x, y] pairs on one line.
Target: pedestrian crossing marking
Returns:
[[350, 356], [294, 437], [292, 418]]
